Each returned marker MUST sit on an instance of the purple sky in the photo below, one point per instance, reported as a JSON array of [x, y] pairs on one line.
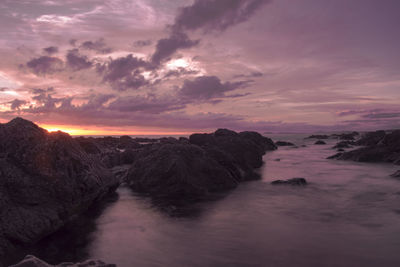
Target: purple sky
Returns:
[[183, 66]]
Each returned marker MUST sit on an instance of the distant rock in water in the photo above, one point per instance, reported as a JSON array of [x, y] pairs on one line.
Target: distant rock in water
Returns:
[[379, 147], [293, 181], [344, 144], [396, 174], [46, 179], [180, 172], [283, 143], [32, 261], [318, 136], [346, 136], [320, 142]]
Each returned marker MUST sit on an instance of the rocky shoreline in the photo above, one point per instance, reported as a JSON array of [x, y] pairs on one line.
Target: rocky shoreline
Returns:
[[48, 179]]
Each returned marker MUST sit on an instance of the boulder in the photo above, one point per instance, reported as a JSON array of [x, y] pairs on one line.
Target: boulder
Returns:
[[32, 261], [344, 144], [283, 143], [292, 181], [318, 136], [319, 142], [396, 174], [46, 180], [380, 147], [208, 163]]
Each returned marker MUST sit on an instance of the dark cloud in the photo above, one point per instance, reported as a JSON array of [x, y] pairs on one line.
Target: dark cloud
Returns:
[[254, 74], [382, 115], [218, 15], [76, 61], [17, 103], [166, 47], [99, 46], [208, 87], [124, 73], [51, 50], [356, 112], [45, 65], [142, 43], [180, 72]]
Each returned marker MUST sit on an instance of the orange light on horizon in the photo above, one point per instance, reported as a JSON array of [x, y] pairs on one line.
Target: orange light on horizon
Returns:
[[75, 131]]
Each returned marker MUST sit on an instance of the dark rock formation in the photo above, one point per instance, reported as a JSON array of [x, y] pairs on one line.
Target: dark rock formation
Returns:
[[380, 147], [396, 174], [283, 143], [32, 261], [180, 172], [318, 136], [46, 179], [371, 138], [293, 181], [344, 144], [320, 142]]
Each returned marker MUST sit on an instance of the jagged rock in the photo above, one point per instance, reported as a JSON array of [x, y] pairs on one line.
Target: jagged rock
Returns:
[[320, 142], [190, 171], [344, 144], [46, 179], [318, 136], [396, 174], [293, 181], [283, 143], [32, 261], [371, 138], [381, 147]]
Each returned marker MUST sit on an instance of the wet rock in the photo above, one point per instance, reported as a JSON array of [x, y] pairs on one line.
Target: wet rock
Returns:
[[371, 138], [381, 147], [318, 136], [283, 143], [46, 179], [293, 181], [320, 142], [32, 261], [340, 150], [191, 171], [396, 174], [344, 144]]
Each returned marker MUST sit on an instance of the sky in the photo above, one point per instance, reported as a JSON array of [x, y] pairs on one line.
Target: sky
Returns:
[[175, 67]]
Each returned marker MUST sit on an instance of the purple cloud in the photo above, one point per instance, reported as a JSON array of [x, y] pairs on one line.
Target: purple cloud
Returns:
[[51, 50], [45, 65], [208, 87], [77, 61], [211, 15], [99, 46]]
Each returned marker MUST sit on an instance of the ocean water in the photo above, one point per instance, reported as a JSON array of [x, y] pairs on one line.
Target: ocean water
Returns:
[[348, 215]]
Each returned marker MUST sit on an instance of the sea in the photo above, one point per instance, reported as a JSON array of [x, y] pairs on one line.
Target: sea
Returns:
[[347, 215]]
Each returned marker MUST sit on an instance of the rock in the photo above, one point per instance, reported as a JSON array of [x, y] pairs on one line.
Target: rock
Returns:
[[336, 156], [380, 147], [46, 180], [371, 138], [344, 144], [317, 136], [179, 172], [293, 181], [340, 150], [396, 174], [320, 142], [283, 143], [32, 261], [209, 163]]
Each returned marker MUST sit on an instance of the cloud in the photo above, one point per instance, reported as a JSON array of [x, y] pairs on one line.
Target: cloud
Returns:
[[98, 46], [17, 103], [142, 43], [382, 115], [51, 50], [208, 87], [124, 73], [45, 65], [166, 47], [215, 15], [77, 61]]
